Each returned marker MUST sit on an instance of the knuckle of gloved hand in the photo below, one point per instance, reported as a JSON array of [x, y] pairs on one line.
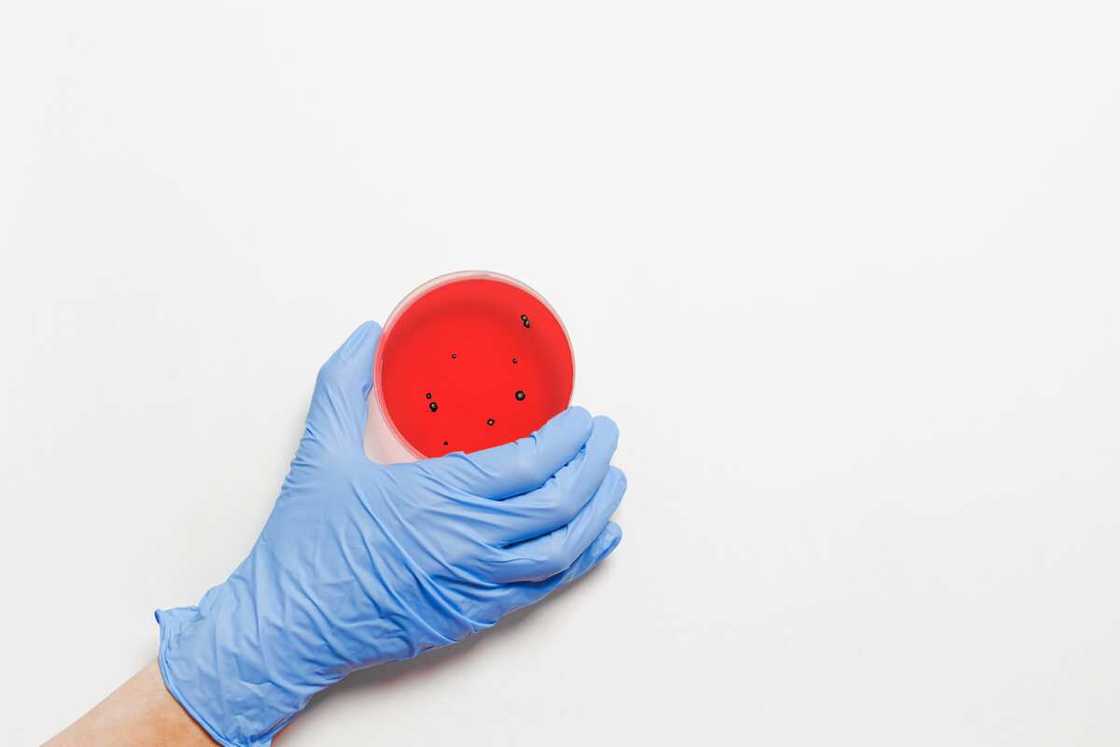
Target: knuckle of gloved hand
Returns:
[[608, 426]]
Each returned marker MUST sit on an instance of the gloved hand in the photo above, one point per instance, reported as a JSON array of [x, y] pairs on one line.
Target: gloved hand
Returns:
[[361, 564]]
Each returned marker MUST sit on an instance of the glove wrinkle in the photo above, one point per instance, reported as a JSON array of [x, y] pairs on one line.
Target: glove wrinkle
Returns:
[[414, 570], [431, 589]]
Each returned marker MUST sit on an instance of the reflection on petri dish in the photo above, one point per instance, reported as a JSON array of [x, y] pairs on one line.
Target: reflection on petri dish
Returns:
[[467, 361]]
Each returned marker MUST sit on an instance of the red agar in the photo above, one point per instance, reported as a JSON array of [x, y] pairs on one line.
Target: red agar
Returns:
[[494, 358]]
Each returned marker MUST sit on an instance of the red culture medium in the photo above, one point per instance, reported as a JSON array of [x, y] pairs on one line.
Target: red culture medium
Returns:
[[472, 363]]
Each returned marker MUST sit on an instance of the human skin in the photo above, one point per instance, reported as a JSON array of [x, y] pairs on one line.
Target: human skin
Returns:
[[139, 712]]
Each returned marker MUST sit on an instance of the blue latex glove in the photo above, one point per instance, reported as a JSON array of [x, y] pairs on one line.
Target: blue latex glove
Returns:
[[361, 564]]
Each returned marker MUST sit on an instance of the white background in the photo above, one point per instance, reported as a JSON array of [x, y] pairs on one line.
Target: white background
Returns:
[[845, 273]]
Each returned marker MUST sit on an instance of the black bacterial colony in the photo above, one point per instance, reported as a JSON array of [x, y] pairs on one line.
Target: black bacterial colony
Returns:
[[519, 395]]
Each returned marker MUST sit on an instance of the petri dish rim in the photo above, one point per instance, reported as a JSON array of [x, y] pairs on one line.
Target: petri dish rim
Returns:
[[417, 293]]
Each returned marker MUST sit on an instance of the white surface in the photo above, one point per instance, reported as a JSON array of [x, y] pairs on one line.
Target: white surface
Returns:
[[845, 273]]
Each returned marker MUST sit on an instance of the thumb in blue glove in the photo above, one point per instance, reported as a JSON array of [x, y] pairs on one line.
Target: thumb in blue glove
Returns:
[[361, 564]]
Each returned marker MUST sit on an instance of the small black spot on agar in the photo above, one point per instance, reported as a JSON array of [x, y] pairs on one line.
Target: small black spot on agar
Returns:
[[445, 443], [490, 421], [454, 355], [515, 361], [525, 323], [428, 395], [433, 406], [519, 395], [524, 317]]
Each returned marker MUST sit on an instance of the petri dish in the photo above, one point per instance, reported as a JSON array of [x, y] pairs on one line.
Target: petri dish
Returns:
[[467, 361]]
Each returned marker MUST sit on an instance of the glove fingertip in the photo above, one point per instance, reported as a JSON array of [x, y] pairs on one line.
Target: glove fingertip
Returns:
[[574, 420], [619, 477], [610, 539], [359, 338], [607, 425]]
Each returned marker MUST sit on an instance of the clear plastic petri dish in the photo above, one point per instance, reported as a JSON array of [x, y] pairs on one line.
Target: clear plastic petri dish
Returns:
[[466, 361]]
